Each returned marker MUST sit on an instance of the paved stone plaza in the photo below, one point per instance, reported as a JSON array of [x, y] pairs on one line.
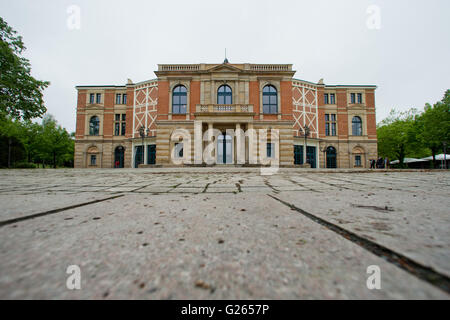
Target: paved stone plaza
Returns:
[[224, 233]]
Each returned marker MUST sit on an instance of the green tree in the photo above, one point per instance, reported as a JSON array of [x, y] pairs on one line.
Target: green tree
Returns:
[[20, 94], [398, 136], [10, 135], [55, 142], [23, 143], [434, 125]]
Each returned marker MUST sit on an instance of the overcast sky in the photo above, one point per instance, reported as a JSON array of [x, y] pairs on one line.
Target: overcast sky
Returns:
[[407, 57]]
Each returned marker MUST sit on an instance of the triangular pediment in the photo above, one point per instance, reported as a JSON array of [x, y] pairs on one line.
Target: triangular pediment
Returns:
[[225, 68]]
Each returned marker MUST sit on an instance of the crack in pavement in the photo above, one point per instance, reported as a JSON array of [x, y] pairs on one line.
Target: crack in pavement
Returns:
[[45, 213], [418, 270]]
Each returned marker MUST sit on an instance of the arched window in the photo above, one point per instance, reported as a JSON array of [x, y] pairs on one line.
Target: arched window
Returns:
[[94, 126], [179, 100], [270, 99], [356, 126], [224, 95]]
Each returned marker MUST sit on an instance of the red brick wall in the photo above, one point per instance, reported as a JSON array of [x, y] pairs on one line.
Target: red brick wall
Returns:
[[342, 116], [81, 118], [254, 97], [194, 97], [163, 100], [321, 111], [129, 113], [371, 119], [108, 115], [286, 100]]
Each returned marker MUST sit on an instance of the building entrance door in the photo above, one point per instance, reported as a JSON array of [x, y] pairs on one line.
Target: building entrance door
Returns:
[[138, 156], [298, 154], [119, 156], [224, 149], [311, 156], [331, 158], [151, 154]]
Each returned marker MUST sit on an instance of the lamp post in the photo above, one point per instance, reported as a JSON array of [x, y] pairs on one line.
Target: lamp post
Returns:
[[143, 133], [306, 132]]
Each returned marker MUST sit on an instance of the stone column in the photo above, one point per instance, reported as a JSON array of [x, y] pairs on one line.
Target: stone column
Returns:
[[209, 142], [198, 142], [252, 141], [240, 151]]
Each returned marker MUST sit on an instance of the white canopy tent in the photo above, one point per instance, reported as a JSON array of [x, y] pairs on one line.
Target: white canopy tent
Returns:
[[439, 157], [408, 160]]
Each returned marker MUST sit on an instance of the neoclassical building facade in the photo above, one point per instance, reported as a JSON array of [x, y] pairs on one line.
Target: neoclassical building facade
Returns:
[[225, 114]]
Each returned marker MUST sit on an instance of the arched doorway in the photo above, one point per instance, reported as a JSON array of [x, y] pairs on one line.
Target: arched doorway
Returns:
[[331, 158], [224, 149], [119, 157]]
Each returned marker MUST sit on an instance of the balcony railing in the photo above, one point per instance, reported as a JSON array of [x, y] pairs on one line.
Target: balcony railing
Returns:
[[179, 67], [218, 108], [271, 67]]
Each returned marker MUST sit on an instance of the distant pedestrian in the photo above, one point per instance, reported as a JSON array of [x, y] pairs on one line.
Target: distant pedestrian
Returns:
[[386, 163], [372, 163], [380, 163]]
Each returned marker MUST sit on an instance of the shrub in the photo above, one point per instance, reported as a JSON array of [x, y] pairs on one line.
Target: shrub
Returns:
[[25, 165]]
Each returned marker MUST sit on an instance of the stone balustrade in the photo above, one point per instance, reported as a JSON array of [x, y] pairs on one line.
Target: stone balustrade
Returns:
[[216, 108], [179, 67], [270, 67]]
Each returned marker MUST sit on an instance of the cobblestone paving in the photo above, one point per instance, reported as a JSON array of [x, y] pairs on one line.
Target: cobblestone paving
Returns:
[[223, 233]]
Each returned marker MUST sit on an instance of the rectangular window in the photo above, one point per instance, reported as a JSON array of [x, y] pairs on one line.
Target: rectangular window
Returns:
[[99, 98], [333, 125], [358, 161], [119, 124], [93, 159], [270, 149], [332, 98], [117, 129], [360, 98], [92, 98], [124, 98], [330, 124], [352, 98], [179, 150], [118, 98], [326, 98]]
